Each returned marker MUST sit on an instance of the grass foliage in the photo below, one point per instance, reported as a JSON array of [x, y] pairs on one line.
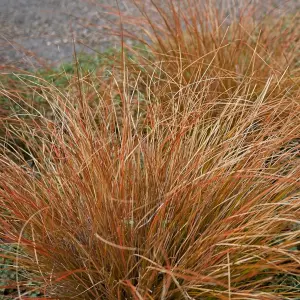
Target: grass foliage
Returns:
[[167, 174]]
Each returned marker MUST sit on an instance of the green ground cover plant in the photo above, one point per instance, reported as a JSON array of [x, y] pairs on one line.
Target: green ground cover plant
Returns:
[[170, 173]]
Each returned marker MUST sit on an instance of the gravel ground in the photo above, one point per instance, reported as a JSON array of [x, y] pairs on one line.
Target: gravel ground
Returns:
[[46, 28]]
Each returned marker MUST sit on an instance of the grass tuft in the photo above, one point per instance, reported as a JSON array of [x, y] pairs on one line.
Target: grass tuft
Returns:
[[172, 173]]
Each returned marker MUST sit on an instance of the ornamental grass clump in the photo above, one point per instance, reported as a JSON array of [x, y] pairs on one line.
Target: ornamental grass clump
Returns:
[[173, 174]]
